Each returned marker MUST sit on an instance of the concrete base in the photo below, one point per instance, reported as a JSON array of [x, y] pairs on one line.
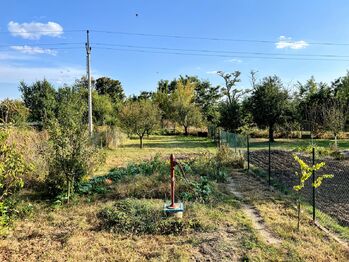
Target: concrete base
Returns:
[[176, 211], [345, 154]]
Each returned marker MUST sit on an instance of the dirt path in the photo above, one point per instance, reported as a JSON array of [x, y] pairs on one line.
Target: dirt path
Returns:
[[257, 221]]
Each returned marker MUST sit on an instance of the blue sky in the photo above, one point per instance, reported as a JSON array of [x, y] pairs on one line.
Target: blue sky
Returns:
[[26, 56]]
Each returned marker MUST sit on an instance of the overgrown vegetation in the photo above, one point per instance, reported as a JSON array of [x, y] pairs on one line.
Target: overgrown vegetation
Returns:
[[13, 168], [60, 158], [135, 216], [72, 157]]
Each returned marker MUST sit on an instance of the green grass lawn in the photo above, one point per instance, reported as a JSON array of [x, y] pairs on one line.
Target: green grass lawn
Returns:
[[155, 145], [182, 145]]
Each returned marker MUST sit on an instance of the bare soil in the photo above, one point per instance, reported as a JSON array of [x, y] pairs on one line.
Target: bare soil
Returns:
[[332, 197]]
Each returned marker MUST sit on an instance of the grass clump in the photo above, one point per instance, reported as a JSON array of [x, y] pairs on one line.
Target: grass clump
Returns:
[[320, 150], [216, 167], [135, 216], [99, 184]]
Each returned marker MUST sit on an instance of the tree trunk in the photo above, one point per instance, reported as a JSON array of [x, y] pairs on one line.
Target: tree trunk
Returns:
[[271, 133], [298, 213], [68, 192], [141, 142], [335, 141], [186, 131]]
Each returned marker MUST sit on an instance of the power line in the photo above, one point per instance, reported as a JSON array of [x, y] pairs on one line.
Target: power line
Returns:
[[211, 38], [174, 49], [263, 41], [220, 55], [222, 51]]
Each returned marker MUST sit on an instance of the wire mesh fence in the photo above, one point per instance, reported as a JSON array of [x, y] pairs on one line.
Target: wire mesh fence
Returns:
[[328, 204], [234, 141]]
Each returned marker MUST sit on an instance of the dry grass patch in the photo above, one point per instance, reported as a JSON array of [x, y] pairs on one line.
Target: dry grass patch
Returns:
[[279, 214]]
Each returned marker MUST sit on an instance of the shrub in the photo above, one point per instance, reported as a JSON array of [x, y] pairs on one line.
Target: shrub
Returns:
[[72, 155], [12, 170], [32, 145], [226, 157], [322, 151], [216, 167], [108, 137]]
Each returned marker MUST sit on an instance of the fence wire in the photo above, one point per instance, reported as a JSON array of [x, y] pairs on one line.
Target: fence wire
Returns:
[[328, 204]]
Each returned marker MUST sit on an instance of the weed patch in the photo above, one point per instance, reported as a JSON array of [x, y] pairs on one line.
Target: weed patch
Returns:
[[134, 216]]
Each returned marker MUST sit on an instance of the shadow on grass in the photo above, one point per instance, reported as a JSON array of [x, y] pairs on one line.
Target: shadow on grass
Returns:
[[175, 142]]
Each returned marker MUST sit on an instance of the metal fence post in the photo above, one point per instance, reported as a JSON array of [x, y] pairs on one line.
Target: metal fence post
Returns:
[[313, 185], [248, 153], [235, 142], [269, 163]]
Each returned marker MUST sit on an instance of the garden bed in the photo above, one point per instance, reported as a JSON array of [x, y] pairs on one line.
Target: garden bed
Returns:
[[332, 197]]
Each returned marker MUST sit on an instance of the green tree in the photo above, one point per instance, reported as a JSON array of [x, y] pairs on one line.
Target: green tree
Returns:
[[144, 95], [186, 113], [268, 103], [334, 118], [139, 117], [40, 99], [341, 92], [230, 116], [230, 109], [103, 110], [71, 155], [303, 176], [312, 97], [207, 98], [230, 90], [111, 87]]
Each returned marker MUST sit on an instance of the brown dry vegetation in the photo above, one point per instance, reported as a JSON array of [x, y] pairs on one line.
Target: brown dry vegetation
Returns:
[[72, 232]]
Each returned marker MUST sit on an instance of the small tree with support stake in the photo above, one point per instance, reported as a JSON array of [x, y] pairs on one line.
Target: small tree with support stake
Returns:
[[306, 172]]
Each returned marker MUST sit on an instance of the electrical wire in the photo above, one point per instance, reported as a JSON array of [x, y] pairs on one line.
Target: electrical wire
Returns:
[[211, 38], [263, 41], [220, 55], [222, 51]]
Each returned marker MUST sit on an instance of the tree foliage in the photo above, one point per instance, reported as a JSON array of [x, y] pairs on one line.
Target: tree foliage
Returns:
[[306, 173], [207, 99], [13, 112], [110, 87], [103, 110], [139, 117], [268, 103], [186, 113], [71, 154], [39, 98]]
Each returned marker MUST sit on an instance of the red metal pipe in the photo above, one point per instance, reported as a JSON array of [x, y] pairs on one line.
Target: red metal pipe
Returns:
[[173, 163]]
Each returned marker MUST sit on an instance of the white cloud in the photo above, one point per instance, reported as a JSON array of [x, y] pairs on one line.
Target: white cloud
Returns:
[[33, 50], [8, 56], [35, 30], [212, 72], [287, 42], [56, 75], [234, 60]]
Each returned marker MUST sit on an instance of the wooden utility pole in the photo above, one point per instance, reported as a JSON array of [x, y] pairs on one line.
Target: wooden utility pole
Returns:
[[88, 53]]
